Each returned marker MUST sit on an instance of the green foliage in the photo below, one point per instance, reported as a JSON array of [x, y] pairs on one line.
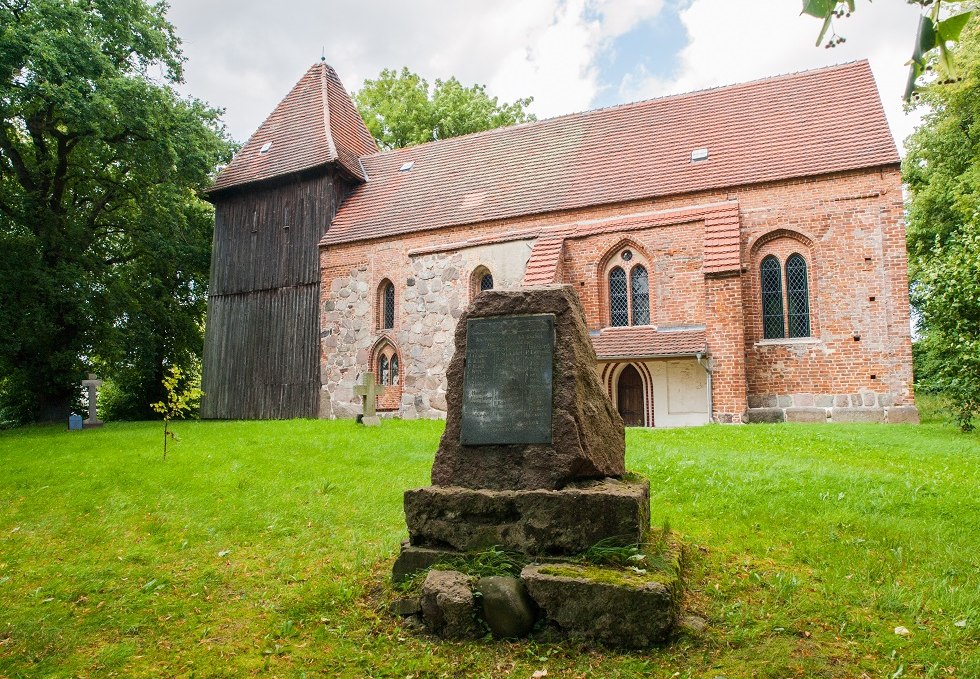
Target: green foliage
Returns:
[[401, 109], [931, 50], [183, 396], [942, 172], [104, 240]]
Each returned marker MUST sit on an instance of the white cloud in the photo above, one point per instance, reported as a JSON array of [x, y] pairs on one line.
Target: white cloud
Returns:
[[737, 40], [245, 56]]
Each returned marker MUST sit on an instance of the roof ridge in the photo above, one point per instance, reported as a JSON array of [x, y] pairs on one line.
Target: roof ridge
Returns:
[[624, 105], [324, 97]]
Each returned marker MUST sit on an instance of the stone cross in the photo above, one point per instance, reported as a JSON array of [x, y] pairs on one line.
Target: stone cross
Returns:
[[369, 391], [92, 384]]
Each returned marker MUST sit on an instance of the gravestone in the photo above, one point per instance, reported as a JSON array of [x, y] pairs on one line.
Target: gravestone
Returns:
[[368, 391], [532, 459], [92, 384]]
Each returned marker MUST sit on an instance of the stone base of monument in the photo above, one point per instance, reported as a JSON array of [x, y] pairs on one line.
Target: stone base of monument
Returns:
[[533, 522], [623, 606]]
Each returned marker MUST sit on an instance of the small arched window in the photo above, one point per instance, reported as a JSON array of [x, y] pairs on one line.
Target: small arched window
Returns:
[[486, 282], [387, 305], [619, 306], [797, 296], [388, 366], [772, 298], [640, 289]]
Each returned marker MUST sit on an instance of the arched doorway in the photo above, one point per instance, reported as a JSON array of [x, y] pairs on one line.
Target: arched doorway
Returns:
[[629, 397]]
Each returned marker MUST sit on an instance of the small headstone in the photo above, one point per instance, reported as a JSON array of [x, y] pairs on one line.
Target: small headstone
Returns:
[[92, 384], [368, 391], [74, 422]]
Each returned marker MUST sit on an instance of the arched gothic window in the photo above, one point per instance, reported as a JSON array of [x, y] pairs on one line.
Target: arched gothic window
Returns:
[[387, 305], [388, 366], [619, 305], [640, 292], [797, 296], [486, 282], [772, 298]]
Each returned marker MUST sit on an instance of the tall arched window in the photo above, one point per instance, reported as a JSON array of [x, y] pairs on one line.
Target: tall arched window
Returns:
[[640, 289], [772, 298], [619, 306], [797, 296], [387, 304]]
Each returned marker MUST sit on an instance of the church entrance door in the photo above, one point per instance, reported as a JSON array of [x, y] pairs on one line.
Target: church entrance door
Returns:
[[629, 397]]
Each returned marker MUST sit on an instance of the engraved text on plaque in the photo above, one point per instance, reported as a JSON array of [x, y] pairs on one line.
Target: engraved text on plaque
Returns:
[[507, 380]]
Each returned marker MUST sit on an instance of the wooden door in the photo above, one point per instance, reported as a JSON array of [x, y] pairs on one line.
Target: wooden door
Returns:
[[629, 397]]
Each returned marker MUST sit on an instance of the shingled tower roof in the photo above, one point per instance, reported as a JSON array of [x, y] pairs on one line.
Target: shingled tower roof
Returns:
[[315, 125]]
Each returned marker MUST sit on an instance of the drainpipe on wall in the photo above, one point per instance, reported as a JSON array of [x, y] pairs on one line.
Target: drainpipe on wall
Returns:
[[707, 369]]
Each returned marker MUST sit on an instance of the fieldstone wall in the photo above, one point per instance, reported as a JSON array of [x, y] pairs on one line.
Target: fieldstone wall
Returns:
[[431, 292]]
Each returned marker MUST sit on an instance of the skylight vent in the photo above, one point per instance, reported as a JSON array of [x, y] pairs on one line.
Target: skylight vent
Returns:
[[265, 147], [407, 166], [698, 155]]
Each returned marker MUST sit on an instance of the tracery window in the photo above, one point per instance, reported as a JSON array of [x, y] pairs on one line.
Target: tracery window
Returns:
[[796, 320], [386, 302], [388, 366], [628, 282], [772, 298], [797, 296]]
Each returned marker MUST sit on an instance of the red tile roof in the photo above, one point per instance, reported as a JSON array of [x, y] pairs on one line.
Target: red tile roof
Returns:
[[314, 125], [542, 267], [644, 341], [803, 124]]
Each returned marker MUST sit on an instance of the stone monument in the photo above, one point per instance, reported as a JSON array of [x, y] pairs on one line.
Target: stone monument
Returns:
[[368, 391], [532, 461], [92, 384]]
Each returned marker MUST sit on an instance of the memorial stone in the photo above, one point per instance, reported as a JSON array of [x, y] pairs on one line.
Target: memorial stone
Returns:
[[92, 384], [532, 461]]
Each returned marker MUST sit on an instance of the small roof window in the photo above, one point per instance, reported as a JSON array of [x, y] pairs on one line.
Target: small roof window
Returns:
[[265, 147], [698, 155], [407, 166]]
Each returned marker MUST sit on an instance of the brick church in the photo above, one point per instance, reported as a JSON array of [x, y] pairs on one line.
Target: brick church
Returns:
[[739, 251]]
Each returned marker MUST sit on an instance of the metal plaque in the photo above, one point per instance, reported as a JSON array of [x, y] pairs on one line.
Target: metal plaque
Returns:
[[507, 380]]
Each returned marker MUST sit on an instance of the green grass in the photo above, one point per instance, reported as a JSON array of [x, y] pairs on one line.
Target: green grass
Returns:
[[265, 547]]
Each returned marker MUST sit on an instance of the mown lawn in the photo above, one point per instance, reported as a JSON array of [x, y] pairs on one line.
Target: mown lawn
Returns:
[[265, 547]]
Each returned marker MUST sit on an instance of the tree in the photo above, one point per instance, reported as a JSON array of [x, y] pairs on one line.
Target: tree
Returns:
[[400, 109], [104, 238], [931, 50], [942, 172]]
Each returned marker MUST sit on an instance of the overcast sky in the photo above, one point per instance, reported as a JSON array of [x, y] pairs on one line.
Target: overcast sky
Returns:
[[570, 55]]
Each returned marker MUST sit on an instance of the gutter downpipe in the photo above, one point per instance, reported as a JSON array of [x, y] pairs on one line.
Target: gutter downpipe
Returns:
[[707, 369]]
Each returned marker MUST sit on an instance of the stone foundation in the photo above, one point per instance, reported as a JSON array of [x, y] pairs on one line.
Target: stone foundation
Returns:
[[865, 406]]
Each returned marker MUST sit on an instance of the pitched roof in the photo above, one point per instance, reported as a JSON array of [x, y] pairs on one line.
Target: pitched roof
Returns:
[[644, 341], [542, 266], [314, 125], [797, 125]]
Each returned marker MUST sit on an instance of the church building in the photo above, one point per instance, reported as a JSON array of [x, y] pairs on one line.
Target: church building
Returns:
[[739, 252]]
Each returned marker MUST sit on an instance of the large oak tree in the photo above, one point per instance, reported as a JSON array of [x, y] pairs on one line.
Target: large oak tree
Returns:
[[104, 239]]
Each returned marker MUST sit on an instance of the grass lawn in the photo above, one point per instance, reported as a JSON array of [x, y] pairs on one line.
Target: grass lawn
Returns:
[[265, 547]]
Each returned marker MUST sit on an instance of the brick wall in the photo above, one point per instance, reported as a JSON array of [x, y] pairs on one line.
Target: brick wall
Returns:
[[848, 227]]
